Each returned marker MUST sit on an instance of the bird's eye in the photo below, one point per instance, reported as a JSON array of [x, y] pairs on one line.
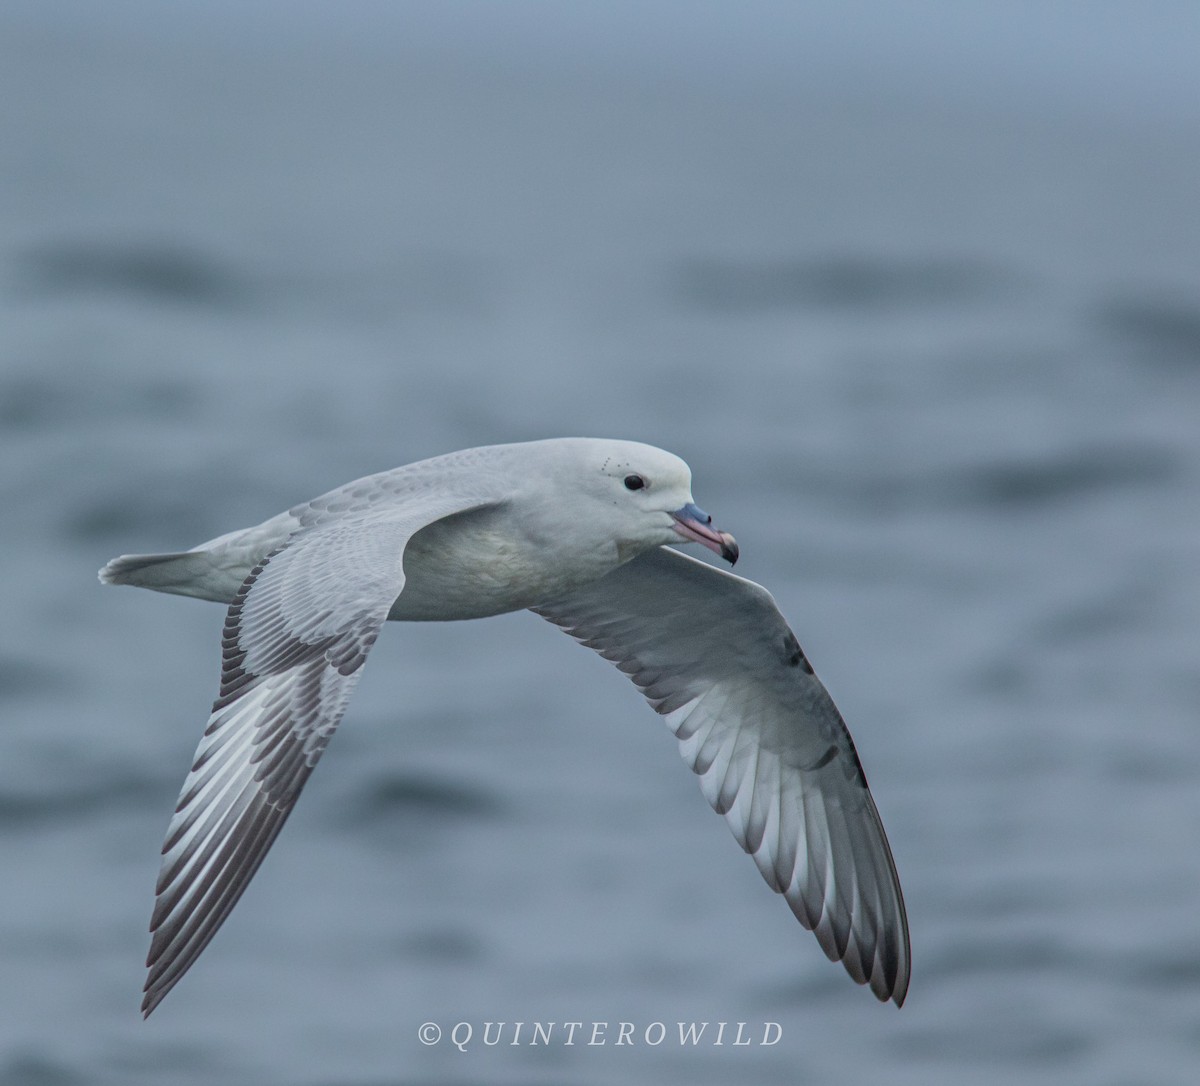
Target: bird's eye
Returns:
[[634, 482]]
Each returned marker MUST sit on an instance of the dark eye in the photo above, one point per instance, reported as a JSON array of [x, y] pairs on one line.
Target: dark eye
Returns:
[[634, 482]]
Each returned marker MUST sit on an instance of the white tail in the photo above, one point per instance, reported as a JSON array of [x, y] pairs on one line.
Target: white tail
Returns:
[[183, 573]]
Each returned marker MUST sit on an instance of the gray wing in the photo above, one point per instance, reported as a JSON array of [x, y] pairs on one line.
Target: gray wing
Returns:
[[295, 639], [711, 652]]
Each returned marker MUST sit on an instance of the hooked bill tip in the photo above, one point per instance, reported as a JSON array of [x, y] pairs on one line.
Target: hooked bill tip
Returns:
[[693, 523]]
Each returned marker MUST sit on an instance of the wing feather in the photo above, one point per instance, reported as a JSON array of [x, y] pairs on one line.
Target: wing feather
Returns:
[[295, 638], [712, 654]]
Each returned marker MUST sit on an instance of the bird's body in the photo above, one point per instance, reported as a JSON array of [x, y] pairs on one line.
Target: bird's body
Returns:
[[473, 562], [574, 529]]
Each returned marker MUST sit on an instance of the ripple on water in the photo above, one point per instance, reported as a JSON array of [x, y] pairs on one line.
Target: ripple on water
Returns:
[[156, 271], [414, 805], [1165, 334], [837, 282]]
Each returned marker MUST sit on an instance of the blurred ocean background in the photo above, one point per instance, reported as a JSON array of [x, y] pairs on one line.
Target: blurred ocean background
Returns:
[[914, 288]]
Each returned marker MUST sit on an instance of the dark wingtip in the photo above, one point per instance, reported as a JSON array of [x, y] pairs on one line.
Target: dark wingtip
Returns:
[[153, 994]]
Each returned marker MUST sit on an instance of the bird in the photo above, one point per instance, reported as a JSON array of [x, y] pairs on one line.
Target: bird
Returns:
[[580, 531]]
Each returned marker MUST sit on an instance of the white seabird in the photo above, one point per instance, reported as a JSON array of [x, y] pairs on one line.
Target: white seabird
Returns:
[[576, 530]]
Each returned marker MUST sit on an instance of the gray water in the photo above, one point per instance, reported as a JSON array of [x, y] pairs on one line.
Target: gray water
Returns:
[[916, 294]]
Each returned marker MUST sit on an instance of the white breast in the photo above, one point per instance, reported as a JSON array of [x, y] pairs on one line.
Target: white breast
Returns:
[[482, 563]]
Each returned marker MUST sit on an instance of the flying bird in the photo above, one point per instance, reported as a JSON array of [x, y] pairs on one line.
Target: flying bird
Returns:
[[577, 530]]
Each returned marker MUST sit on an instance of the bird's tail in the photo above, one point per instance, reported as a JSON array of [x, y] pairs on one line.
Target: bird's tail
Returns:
[[182, 573]]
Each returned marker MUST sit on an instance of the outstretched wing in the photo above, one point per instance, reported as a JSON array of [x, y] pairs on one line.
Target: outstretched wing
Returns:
[[711, 652], [295, 639]]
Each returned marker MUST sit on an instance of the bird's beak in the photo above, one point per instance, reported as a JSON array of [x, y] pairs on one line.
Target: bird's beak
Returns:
[[695, 524]]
